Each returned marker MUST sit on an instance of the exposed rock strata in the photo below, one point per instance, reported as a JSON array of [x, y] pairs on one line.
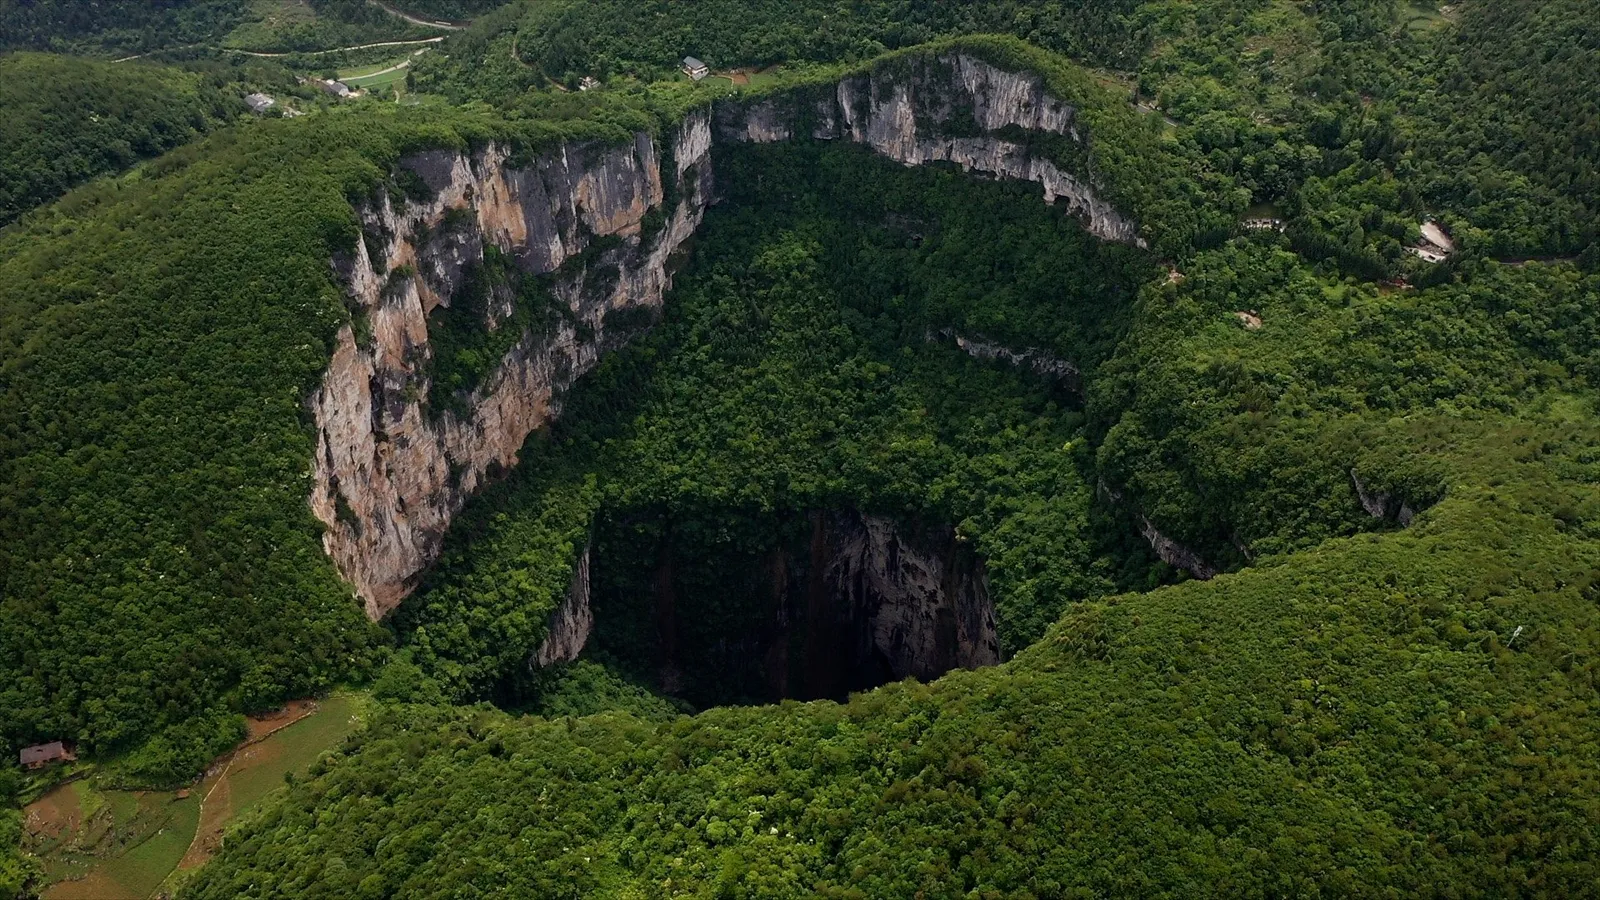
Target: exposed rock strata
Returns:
[[1380, 505], [1166, 549], [919, 605], [1173, 553], [389, 474], [1040, 362], [863, 601], [947, 108], [571, 623]]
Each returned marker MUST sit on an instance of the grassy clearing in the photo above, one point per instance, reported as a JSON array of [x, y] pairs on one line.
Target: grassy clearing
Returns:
[[379, 79], [268, 19], [1421, 16], [359, 72], [765, 76], [129, 844]]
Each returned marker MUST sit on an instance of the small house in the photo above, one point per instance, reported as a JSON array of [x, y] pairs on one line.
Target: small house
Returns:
[[258, 102], [1435, 246], [40, 755], [587, 83], [694, 68], [337, 88]]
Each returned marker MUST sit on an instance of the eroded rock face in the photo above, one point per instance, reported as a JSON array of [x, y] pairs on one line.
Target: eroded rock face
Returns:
[[1380, 505], [1040, 362], [571, 623], [1175, 554], [859, 601], [1166, 549], [951, 108], [390, 474], [917, 603]]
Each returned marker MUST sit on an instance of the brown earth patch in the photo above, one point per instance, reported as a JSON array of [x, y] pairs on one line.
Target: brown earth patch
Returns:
[[216, 789], [266, 723], [53, 815]]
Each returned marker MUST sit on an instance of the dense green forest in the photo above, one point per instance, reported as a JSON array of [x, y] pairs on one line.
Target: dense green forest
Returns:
[[795, 372], [121, 28], [72, 119], [1392, 696], [1287, 730], [115, 27], [1355, 117]]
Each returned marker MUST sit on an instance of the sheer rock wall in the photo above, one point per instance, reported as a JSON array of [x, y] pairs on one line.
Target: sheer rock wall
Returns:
[[390, 474]]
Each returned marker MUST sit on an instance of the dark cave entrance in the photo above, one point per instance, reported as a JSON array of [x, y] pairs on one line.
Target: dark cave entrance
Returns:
[[739, 607]]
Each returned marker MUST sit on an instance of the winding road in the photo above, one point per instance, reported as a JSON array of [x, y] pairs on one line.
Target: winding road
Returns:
[[425, 23], [432, 40]]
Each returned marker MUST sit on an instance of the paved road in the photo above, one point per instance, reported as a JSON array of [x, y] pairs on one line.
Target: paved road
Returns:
[[426, 23], [432, 40]]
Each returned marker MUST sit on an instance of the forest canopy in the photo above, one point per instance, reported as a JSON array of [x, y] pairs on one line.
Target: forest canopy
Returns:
[[1291, 541]]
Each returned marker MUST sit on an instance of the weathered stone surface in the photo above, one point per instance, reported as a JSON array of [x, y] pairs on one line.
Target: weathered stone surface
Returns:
[[388, 475], [928, 117], [1166, 549], [1175, 554], [1380, 505], [1040, 362], [920, 604], [571, 623]]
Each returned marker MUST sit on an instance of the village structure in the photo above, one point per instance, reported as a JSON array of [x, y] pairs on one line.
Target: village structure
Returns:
[[337, 88], [259, 102], [40, 755], [1435, 246], [694, 68]]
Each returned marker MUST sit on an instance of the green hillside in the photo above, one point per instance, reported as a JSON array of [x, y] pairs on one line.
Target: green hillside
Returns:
[[69, 120], [1390, 688]]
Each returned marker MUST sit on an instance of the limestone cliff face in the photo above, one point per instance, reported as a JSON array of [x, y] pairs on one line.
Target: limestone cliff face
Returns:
[[571, 623], [954, 108], [1381, 505], [862, 601], [918, 604], [389, 473], [1166, 549]]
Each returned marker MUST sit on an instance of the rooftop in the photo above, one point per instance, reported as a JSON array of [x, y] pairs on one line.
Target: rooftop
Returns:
[[40, 754]]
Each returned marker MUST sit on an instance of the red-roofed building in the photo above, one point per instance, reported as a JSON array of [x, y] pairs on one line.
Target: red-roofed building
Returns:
[[40, 755]]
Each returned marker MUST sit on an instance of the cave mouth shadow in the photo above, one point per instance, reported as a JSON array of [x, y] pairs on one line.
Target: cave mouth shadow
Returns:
[[736, 607]]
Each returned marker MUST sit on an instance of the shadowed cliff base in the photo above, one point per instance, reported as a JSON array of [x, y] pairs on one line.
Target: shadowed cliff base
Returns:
[[755, 608]]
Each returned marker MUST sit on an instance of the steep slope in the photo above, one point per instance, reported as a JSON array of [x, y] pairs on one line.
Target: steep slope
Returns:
[[70, 120], [158, 558], [391, 473]]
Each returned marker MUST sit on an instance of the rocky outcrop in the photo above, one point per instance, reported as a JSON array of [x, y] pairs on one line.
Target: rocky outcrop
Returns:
[[845, 603], [917, 604], [1166, 549], [1040, 362], [1175, 554], [571, 623], [954, 108], [390, 472], [1380, 505]]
